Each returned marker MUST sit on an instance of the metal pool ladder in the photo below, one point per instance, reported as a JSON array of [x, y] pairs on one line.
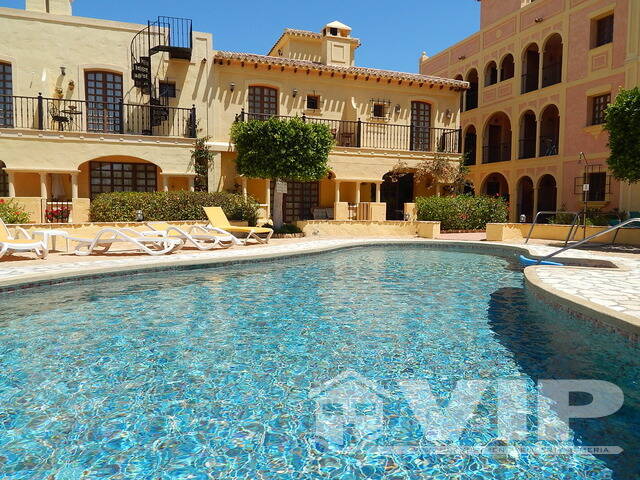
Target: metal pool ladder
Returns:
[[572, 231], [590, 237]]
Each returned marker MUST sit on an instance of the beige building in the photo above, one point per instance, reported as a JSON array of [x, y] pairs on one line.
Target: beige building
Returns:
[[90, 106], [541, 74]]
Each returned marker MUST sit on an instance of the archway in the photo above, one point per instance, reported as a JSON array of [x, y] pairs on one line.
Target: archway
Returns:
[[547, 193], [462, 92], [525, 198], [552, 61], [530, 68], [495, 184], [497, 139], [549, 131], [471, 95], [507, 68], [470, 142], [490, 74], [395, 192], [528, 134]]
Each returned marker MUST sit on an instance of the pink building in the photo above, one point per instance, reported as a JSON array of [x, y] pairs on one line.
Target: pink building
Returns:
[[542, 72]]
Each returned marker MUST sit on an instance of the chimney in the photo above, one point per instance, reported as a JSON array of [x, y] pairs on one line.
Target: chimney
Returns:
[[57, 7], [338, 47]]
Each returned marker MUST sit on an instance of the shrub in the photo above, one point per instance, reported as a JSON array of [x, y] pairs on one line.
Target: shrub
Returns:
[[463, 212], [623, 125], [170, 206], [13, 212]]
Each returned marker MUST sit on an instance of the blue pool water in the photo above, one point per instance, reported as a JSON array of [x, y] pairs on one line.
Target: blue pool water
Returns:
[[214, 373]]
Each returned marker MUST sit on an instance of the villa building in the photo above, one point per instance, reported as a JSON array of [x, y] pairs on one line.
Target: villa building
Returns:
[[541, 74], [90, 106]]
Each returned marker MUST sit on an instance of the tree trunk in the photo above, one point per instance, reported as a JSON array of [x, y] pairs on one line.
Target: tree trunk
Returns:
[[276, 212]]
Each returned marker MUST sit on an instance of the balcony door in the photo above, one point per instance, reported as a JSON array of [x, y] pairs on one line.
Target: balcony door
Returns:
[[420, 126], [6, 91], [104, 94], [263, 102]]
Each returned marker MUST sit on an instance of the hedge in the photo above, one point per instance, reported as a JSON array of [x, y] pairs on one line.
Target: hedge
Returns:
[[463, 212], [170, 206]]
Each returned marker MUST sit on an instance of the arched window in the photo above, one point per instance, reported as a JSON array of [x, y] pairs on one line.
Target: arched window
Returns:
[[263, 102], [491, 74], [507, 68], [552, 61], [549, 131], [497, 139], [471, 100], [4, 181], [530, 68], [6, 91], [528, 135]]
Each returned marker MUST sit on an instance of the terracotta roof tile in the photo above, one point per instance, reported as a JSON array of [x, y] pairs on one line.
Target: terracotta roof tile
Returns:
[[374, 72]]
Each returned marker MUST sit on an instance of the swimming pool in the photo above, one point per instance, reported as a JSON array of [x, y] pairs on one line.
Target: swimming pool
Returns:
[[214, 373]]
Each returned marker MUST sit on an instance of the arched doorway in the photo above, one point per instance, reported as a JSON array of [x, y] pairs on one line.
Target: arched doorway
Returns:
[[495, 184], [528, 134], [471, 95], [491, 74], [530, 68], [552, 61], [507, 68], [470, 142], [525, 198], [497, 139], [395, 192], [549, 131], [547, 193]]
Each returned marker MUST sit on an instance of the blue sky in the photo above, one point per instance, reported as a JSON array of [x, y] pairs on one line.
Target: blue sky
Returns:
[[393, 34]]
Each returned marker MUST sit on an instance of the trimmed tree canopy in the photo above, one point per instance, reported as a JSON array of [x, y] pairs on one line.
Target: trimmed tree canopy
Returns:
[[623, 125], [284, 149]]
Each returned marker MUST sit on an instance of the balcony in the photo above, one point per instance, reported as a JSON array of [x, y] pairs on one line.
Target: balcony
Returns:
[[359, 134], [551, 74], [60, 115], [527, 148], [500, 152]]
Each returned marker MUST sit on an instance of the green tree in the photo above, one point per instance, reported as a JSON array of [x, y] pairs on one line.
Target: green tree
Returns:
[[282, 150], [623, 125]]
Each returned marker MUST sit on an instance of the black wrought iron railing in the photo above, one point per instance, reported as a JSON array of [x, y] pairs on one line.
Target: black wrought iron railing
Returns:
[[500, 152], [529, 82], [548, 146], [359, 134], [527, 148], [52, 114], [551, 74]]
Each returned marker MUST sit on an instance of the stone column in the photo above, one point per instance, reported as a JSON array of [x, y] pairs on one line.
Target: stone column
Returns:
[[337, 191], [12, 184], [191, 186], [378, 185], [165, 183], [43, 186], [357, 193], [244, 187], [74, 186]]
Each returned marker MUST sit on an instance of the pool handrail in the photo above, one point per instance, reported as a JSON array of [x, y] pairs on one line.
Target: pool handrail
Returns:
[[589, 238], [572, 232]]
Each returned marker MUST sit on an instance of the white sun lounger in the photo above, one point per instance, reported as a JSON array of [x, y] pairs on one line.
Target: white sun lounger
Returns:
[[198, 236], [8, 243], [107, 237]]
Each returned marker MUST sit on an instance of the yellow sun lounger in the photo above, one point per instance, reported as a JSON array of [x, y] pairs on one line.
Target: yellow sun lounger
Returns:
[[198, 236], [10, 244], [219, 222]]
